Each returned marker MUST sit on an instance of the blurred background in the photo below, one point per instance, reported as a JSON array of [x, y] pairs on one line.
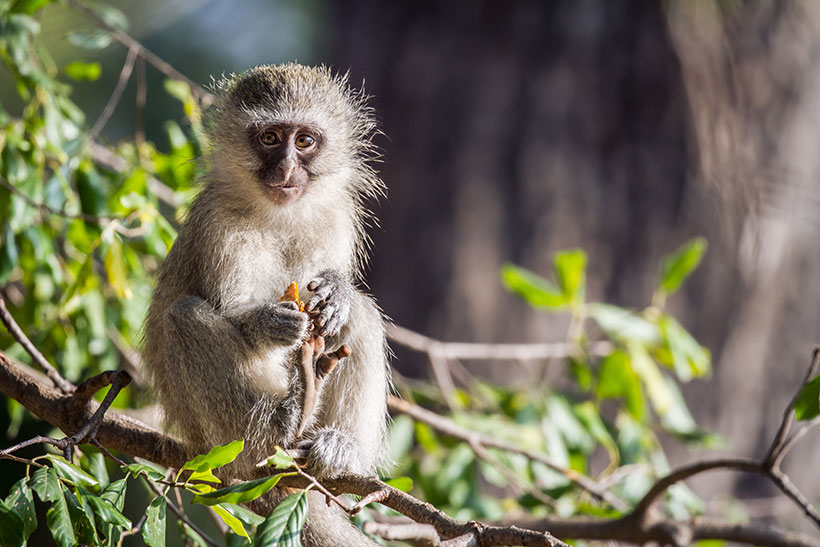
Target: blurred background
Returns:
[[516, 129]]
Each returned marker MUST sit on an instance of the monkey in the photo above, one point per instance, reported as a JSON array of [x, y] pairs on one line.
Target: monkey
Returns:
[[287, 178]]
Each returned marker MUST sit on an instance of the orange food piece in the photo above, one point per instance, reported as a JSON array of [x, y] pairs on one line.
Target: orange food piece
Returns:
[[292, 295]]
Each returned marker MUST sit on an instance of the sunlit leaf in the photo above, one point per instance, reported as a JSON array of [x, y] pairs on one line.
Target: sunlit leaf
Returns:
[[625, 325], [83, 71], [217, 457], [807, 404], [689, 358], [677, 266], [283, 527], [570, 269], [280, 459], [233, 523], [617, 379], [115, 268], [242, 492], [534, 289], [405, 484]]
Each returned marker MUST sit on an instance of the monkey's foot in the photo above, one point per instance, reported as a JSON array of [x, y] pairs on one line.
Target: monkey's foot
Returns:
[[331, 453], [329, 307]]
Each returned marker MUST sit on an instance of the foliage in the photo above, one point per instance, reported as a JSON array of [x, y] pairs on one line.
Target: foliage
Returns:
[[81, 241]]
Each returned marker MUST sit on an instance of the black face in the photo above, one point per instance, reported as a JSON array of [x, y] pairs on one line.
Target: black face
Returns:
[[286, 152]]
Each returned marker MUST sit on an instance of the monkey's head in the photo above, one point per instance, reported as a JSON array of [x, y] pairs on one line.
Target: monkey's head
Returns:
[[289, 134]]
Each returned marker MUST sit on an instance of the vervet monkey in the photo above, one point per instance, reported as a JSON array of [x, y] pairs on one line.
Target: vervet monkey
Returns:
[[288, 174]]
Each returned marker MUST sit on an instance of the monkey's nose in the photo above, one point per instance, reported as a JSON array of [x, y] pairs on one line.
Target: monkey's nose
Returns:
[[286, 167]]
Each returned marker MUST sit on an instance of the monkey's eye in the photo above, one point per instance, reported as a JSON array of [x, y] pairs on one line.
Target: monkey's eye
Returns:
[[269, 138], [304, 141]]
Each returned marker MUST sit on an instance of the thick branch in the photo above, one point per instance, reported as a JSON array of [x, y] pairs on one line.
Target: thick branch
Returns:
[[116, 431]]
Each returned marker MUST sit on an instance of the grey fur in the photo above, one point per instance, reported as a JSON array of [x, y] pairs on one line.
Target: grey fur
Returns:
[[219, 346]]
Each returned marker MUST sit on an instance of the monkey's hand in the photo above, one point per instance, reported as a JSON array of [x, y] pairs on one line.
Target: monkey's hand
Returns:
[[279, 323], [329, 307], [331, 452]]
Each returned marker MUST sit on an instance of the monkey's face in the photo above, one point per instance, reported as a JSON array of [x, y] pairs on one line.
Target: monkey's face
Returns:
[[286, 152]]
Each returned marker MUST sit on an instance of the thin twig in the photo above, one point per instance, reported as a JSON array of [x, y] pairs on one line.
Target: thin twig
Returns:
[[102, 220], [105, 157], [488, 352], [319, 486], [17, 333], [773, 457], [448, 427], [114, 99], [157, 62], [139, 111]]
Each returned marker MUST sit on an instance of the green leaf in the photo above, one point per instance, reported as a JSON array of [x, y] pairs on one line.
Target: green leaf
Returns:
[[89, 39], [249, 519], [82, 519], [807, 404], [28, 7], [242, 492], [106, 511], [9, 255], [617, 379], [233, 523], [137, 469], [283, 527], [625, 325], [83, 71], [280, 459], [216, 457], [570, 267], [114, 494], [204, 476], [534, 289], [115, 268], [45, 483], [677, 266], [21, 501], [59, 521], [179, 90], [690, 359], [96, 466], [12, 529], [72, 473], [405, 484], [153, 531]]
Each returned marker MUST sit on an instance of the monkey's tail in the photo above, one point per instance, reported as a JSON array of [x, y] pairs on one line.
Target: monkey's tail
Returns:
[[330, 527]]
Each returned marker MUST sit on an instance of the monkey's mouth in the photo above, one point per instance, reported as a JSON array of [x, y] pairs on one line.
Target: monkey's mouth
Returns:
[[284, 192]]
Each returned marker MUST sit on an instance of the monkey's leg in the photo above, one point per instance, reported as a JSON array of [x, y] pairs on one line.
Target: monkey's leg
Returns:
[[353, 408]]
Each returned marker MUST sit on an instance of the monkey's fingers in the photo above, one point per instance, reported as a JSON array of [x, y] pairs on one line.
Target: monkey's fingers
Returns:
[[327, 362], [318, 344]]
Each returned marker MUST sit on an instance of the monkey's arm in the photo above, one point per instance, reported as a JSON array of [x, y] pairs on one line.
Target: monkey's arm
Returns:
[[237, 391], [275, 323]]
